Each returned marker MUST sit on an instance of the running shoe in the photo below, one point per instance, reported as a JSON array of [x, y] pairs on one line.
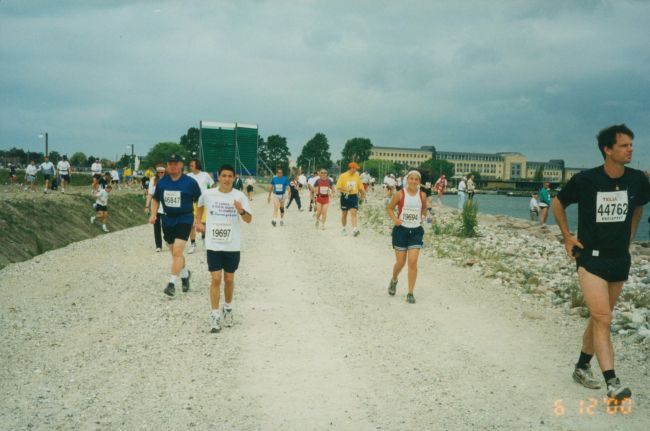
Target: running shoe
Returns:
[[392, 287], [105, 229], [410, 298], [191, 249], [170, 289], [344, 232], [281, 222], [228, 319], [186, 281], [92, 219], [215, 323], [356, 232], [616, 390], [158, 250], [586, 377], [273, 223], [317, 223]]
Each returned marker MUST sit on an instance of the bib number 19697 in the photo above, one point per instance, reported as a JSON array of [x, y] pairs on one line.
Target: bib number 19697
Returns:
[[221, 232]]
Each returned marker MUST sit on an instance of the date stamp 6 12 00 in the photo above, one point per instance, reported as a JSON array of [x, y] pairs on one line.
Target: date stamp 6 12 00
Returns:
[[593, 406]]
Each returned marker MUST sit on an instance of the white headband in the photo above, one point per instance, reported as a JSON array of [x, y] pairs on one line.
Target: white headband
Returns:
[[414, 172]]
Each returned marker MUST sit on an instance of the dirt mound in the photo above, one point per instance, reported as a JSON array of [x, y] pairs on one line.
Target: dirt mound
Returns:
[[33, 223]]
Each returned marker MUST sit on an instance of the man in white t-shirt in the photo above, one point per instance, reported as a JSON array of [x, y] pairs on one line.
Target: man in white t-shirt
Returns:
[[224, 206], [30, 175], [462, 189], [205, 181], [47, 168], [311, 183], [65, 170], [101, 206], [96, 171]]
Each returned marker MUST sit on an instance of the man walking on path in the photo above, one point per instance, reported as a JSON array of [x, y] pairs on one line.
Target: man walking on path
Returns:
[[544, 203], [277, 190], [204, 181], [65, 170], [47, 168], [224, 207], [30, 175], [462, 188], [176, 192], [610, 202], [350, 187], [440, 187]]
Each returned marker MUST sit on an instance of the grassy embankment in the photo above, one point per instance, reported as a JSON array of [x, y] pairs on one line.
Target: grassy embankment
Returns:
[[33, 223]]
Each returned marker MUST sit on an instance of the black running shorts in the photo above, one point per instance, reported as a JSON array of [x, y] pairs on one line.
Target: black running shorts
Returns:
[[405, 238], [99, 208], [351, 202], [609, 269], [226, 260], [179, 231]]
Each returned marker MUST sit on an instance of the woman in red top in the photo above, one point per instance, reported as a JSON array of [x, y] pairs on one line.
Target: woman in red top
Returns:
[[323, 189]]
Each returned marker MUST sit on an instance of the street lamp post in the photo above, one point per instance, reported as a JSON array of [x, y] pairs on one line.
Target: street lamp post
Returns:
[[132, 158], [46, 143]]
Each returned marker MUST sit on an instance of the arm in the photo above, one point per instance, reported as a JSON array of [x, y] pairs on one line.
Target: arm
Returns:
[[245, 215], [636, 218], [154, 210], [268, 198], [560, 217], [200, 227], [148, 204], [390, 209]]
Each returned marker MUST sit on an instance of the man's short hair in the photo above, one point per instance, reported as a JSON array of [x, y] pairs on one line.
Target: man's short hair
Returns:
[[226, 168], [607, 137], [197, 163]]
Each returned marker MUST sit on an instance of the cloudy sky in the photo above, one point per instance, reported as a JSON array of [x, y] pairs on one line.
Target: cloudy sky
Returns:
[[537, 77]]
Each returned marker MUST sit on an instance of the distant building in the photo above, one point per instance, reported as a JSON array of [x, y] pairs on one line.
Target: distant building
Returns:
[[497, 166]]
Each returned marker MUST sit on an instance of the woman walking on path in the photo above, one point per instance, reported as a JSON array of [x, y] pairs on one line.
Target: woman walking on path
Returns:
[[157, 227], [294, 187], [408, 232], [323, 189]]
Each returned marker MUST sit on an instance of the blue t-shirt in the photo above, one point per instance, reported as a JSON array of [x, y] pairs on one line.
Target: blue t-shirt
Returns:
[[177, 198], [280, 185]]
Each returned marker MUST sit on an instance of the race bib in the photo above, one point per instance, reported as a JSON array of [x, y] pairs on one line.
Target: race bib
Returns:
[[172, 198], [279, 188], [323, 190], [220, 232], [352, 185], [611, 207], [410, 216]]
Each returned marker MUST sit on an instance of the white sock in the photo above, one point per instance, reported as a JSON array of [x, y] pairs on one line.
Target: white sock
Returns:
[[104, 225], [215, 312], [184, 273], [227, 306], [173, 279]]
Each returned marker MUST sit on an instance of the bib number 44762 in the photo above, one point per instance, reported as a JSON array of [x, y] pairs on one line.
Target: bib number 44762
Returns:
[[611, 207]]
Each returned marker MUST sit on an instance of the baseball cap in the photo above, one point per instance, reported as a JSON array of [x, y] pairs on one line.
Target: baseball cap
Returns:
[[353, 165], [173, 157]]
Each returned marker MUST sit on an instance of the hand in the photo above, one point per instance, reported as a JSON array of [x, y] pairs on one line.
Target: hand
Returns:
[[268, 200], [398, 222], [152, 219], [569, 243], [238, 206], [199, 227], [146, 210]]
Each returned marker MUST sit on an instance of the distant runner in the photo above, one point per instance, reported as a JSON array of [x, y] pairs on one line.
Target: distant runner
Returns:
[[440, 187], [350, 186], [408, 232], [610, 202], [176, 192], [101, 206], [157, 226], [30, 175], [277, 190], [65, 170], [250, 186], [204, 181], [47, 168], [224, 206], [96, 171], [323, 189]]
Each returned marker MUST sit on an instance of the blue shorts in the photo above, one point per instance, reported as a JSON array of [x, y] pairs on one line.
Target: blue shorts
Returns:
[[405, 238], [351, 202]]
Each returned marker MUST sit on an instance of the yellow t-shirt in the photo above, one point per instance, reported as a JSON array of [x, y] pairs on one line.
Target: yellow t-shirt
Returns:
[[349, 183]]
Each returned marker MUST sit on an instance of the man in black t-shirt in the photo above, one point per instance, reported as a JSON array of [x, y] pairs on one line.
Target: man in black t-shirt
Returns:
[[610, 202]]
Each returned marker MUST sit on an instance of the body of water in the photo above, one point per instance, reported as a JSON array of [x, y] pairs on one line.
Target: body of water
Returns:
[[518, 207]]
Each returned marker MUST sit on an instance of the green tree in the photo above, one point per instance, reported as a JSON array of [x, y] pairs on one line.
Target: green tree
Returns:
[[431, 169], [477, 175], [274, 152], [78, 159], [161, 151], [315, 154], [357, 150], [539, 174], [125, 160], [190, 141], [54, 157]]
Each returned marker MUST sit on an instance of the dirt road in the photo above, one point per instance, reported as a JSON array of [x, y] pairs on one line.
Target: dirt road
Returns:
[[90, 342]]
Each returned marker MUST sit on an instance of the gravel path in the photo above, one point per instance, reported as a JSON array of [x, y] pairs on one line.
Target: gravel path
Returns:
[[90, 342]]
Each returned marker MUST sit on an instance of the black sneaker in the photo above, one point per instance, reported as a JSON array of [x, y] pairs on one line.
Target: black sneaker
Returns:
[[186, 281], [392, 287], [410, 298], [170, 289], [616, 390]]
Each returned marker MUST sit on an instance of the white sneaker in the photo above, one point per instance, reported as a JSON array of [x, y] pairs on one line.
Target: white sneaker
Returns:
[[105, 229], [281, 222], [344, 232], [92, 219], [215, 322], [317, 223], [191, 249], [228, 319], [158, 250]]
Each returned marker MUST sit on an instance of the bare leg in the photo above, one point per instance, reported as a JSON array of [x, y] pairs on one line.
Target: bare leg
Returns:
[[344, 218], [229, 286], [178, 259], [413, 255], [353, 218], [215, 289], [400, 261], [323, 215]]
